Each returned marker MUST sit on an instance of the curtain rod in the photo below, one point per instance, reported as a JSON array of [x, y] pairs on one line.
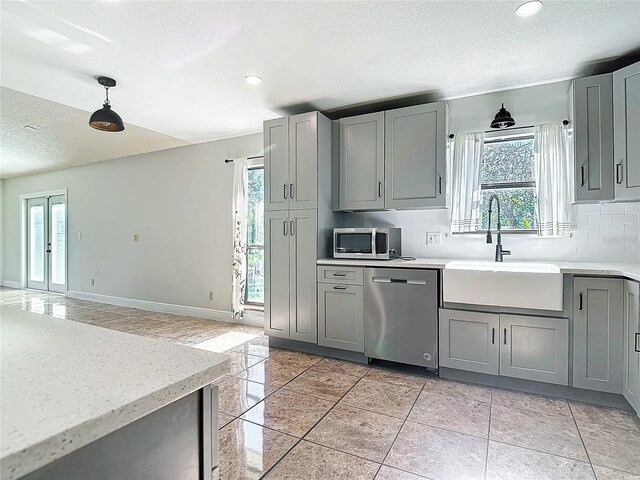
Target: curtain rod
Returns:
[[564, 122], [230, 160]]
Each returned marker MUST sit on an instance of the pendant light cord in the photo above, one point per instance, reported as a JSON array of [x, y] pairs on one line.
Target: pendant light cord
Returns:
[[106, 102]]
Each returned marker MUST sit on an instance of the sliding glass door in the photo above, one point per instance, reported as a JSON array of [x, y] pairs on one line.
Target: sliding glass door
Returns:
[[47, 243]]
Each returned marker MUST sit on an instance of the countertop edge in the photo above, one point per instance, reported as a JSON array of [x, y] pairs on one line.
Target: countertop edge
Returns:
[[30, 459], [600, 269]]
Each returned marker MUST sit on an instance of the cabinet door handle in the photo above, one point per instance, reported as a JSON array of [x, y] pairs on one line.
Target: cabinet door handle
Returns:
[[440, 184], [380, 189], [505, 336], [291, 229], [291, 190], [582, 176], [619, 173], [285, 191], [285, 228], [637, 345], [493, 336], [339, 288], [580, 301]]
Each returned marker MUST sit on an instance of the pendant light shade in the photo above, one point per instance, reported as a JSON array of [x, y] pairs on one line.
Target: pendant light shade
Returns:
[[503, 119], [106, 119]]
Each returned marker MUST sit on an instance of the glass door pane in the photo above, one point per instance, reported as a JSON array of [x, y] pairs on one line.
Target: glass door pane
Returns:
[[57, 243], [36, 234]]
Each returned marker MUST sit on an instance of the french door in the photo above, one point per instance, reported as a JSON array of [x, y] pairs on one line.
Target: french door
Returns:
[[47, 243]]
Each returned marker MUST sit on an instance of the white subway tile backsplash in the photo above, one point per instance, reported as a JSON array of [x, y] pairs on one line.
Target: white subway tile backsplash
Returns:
[[600, 233]]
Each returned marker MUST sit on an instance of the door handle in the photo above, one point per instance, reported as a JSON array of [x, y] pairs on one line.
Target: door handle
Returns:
[[580, 301], [619, 173], [339, 288], [285, 228], [380, 189], [582, 175], [637, 345], [416, 282], [291, 229], [291, 190], [493, 336], [285, 191], [381, 279], [505, 336]]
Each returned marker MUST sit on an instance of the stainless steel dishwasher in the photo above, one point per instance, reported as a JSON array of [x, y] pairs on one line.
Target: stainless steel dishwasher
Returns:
[[401, 315]]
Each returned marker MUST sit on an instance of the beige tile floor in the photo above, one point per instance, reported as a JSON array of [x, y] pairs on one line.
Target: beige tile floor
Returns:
[[287, 415]]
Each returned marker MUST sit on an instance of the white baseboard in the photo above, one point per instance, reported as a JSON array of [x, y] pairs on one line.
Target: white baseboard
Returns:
[[250, 318], [10, 284]]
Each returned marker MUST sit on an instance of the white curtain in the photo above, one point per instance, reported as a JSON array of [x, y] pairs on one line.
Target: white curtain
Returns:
[[552, 180], [240, 185], [466, 163]]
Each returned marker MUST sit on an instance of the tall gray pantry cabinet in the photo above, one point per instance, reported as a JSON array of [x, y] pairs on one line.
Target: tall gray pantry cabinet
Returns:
[[298, 221]]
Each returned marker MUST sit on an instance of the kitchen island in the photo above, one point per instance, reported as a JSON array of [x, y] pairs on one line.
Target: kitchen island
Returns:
[[80, 401]]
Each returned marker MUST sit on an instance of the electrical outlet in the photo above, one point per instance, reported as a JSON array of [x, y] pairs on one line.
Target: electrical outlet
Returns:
[[433, 238], [136, 237], [211, 295], [93, 282]]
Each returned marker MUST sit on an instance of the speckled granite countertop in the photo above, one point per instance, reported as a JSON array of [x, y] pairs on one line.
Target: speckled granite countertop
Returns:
[[66, 384], [627, 270]]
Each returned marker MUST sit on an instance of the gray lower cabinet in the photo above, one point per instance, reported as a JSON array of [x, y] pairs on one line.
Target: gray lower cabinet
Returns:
[[626, 125], [631, 344], [362, 162], [340, 316], [535, 348], [597, 336], [415, 156], [518, 346], [469, 341], [290, 307], [591, 118]]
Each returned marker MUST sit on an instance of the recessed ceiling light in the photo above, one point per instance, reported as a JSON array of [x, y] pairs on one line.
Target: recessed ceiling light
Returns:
[[529, 8], [253, 79]]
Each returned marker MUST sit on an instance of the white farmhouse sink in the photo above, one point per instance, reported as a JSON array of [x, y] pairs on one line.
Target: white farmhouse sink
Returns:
[[520, 285]]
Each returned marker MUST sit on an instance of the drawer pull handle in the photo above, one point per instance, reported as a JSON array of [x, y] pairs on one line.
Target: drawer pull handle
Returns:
[[339, 274], [339, 288], [637, 345]]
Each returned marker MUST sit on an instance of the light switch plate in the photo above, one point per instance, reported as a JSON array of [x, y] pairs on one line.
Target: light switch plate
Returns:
[[433, 238]]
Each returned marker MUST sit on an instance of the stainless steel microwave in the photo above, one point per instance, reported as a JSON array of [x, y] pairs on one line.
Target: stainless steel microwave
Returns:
[[366, 243]]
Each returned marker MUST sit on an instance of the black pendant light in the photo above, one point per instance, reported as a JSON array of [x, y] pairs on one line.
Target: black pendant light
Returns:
[[106, 119], [503, 119]]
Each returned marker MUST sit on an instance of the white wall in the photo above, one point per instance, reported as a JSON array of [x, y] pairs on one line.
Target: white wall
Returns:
[[601, 233], [1, 230], [177, 200]]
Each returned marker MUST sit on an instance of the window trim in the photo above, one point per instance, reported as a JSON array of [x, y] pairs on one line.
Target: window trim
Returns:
[[253, 164]]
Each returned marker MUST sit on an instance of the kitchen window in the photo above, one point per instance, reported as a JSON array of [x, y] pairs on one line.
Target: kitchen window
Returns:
[[508, 171], [254, 293]]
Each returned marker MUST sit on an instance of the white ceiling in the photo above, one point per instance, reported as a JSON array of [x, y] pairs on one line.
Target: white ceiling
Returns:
[[180, 65]]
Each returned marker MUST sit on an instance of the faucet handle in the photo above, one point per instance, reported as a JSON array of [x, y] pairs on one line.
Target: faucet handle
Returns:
[[506, 252]]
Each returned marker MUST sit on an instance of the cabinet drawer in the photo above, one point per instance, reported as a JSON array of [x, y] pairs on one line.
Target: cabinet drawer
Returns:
[[342, 275]]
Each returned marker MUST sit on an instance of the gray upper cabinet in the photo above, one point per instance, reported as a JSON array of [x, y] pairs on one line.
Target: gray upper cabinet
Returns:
[[631, 345], [534, 348], [597, 338], [276, 274], [362, 162], [291, 150], [469, 341], [591, 116], [340, 316], [303, 227], [303, 160], [626, 111], [415, 156], [276, 164]]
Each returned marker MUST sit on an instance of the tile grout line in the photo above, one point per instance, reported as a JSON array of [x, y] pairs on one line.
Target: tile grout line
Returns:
[[486, 458], [312, 427], [575, 422]]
